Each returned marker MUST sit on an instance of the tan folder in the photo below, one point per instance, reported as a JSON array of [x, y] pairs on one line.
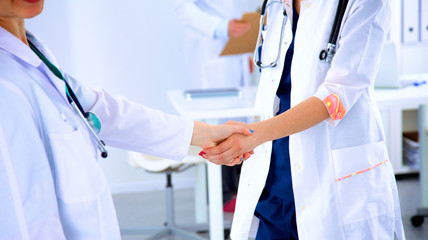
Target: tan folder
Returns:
[[247, 42]]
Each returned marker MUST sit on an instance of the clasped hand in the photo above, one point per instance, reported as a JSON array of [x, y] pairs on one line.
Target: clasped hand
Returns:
[[233, 150]]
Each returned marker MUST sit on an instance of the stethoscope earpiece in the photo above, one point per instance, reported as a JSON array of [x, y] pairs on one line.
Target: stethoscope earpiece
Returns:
[[104, 153], [323, 55]]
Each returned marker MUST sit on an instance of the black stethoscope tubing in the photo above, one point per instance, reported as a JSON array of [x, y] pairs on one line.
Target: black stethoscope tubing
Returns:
[[340, 12], [328, 53], [263, 9]]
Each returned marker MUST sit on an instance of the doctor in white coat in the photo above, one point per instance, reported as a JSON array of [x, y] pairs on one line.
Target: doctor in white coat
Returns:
[[343, 182], [51, 186], [209, 24]]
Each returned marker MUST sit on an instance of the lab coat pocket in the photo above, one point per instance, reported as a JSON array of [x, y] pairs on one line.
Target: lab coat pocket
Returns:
[[363, 181], [78, 177]]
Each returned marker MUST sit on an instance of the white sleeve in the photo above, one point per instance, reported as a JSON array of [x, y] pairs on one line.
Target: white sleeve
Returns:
[[221, 30], [354, 66], [192, 16], [131, 126], [85, 95]]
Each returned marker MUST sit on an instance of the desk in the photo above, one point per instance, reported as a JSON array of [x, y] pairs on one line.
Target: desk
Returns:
[[391, 103], [210, 110]]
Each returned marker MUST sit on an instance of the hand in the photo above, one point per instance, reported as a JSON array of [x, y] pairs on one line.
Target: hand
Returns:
[[231, 151], [251, 64], [241, 158], [206, 136], [237, 28], [237, 161], [219, 156]]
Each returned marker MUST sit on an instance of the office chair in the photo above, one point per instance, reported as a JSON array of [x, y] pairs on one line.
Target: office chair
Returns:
[[161, 165]]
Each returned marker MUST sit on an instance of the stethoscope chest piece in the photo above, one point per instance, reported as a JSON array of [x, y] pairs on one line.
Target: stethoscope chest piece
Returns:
[[95, 124], [94, 121], [328, 54]]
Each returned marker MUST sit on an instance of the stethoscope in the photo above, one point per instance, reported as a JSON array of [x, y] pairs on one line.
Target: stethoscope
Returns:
[[328, 54], [325, 55], [258, 51], [90, 120]]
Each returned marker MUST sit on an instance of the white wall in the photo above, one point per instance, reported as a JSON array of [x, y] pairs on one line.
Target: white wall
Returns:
[[132, 48], [414, 58]]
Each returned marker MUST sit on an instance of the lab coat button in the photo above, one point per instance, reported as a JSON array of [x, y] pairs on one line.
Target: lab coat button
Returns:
[[298, 167], [307, 5], [303, 207]]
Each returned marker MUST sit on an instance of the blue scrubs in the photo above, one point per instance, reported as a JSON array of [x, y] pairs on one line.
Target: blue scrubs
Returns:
[[275, 208]]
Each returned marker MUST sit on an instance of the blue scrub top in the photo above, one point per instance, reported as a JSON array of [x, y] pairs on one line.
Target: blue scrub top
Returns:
[[278, 181], [275, 208]]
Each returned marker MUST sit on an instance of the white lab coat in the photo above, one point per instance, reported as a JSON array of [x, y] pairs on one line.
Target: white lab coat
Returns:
[[329, 206], [51, 186], [205, 66]]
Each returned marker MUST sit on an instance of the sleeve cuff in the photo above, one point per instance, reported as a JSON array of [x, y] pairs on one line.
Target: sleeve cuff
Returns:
[[334, 106], [189, 125], [221, 30]]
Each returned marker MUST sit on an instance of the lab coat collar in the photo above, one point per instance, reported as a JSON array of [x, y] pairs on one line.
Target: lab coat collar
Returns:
[[41, 47], [59, 83], [16, 47]]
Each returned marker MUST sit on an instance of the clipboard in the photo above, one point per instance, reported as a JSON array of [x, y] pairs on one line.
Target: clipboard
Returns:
[[247, 42]]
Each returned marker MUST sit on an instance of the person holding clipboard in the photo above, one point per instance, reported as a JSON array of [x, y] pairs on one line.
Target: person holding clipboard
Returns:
[[209, 26]]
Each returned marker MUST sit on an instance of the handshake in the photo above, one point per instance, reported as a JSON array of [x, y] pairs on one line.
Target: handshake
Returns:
[[228, 144]]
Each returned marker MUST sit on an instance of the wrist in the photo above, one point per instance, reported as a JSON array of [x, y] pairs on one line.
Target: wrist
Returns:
[[198, 132], [221, 30], [259, 134]]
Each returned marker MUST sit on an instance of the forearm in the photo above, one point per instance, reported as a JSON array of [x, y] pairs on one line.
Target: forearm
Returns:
[[301, 117], [200, 132]]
